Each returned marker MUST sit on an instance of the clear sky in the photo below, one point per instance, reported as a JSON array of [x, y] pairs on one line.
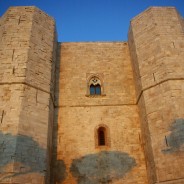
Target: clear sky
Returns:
[[92, 20]]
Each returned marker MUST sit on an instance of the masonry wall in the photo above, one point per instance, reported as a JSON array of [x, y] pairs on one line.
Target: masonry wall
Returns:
[[144, 116], [26, 54], [156, 41], [183, 23], [77, 158]]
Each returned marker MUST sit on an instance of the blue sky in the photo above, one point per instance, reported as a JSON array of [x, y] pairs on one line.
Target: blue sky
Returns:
[[92, 20]]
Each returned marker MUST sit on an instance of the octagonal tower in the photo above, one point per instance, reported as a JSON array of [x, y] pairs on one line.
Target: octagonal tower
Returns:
[[156, 41]]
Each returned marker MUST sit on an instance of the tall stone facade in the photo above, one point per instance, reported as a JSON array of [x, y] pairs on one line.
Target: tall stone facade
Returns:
[[27, 44], [91, 112], [156, 41]]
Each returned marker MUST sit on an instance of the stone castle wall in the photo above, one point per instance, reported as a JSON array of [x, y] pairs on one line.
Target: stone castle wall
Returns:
[[78, 115], [45, 100], [157, 45], [26, 52]]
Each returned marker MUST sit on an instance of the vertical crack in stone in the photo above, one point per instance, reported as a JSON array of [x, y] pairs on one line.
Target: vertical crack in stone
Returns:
[[2, 116], [166, 142], [13, 70], [19, 20], [154, 76], [173, 44], [36, 96], [13, 54]]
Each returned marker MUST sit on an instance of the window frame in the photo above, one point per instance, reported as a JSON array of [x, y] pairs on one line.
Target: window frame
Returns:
[[106, 131], [99, 83]]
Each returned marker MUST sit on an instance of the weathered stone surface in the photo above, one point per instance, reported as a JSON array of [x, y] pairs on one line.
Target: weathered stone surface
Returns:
[[156, 41], [77, 114], [103, 167], [49, 122], [26, 85]]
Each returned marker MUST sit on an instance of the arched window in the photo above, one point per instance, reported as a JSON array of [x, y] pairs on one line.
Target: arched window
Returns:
[[95, 86], [101, 136], [95, 89]]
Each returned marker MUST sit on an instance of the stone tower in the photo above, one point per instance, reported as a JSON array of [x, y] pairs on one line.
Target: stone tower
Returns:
[[91, 112], [156, 40], [27, 41]]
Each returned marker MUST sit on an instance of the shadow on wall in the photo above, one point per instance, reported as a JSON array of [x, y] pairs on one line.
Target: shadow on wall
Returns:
[[102, 168], [24, 151], [59, 171], [175, 140], [58, 168]]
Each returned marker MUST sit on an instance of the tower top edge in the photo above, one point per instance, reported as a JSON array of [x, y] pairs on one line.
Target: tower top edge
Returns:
[[32, 7], [152, 8]]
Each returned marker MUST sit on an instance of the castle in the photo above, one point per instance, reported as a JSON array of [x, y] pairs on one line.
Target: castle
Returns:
[[91, 112]]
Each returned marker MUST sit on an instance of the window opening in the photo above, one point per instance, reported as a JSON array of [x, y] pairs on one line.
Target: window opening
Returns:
[[95, 86], [98, 89], [92, 89], [101, 136], [95, 89]]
